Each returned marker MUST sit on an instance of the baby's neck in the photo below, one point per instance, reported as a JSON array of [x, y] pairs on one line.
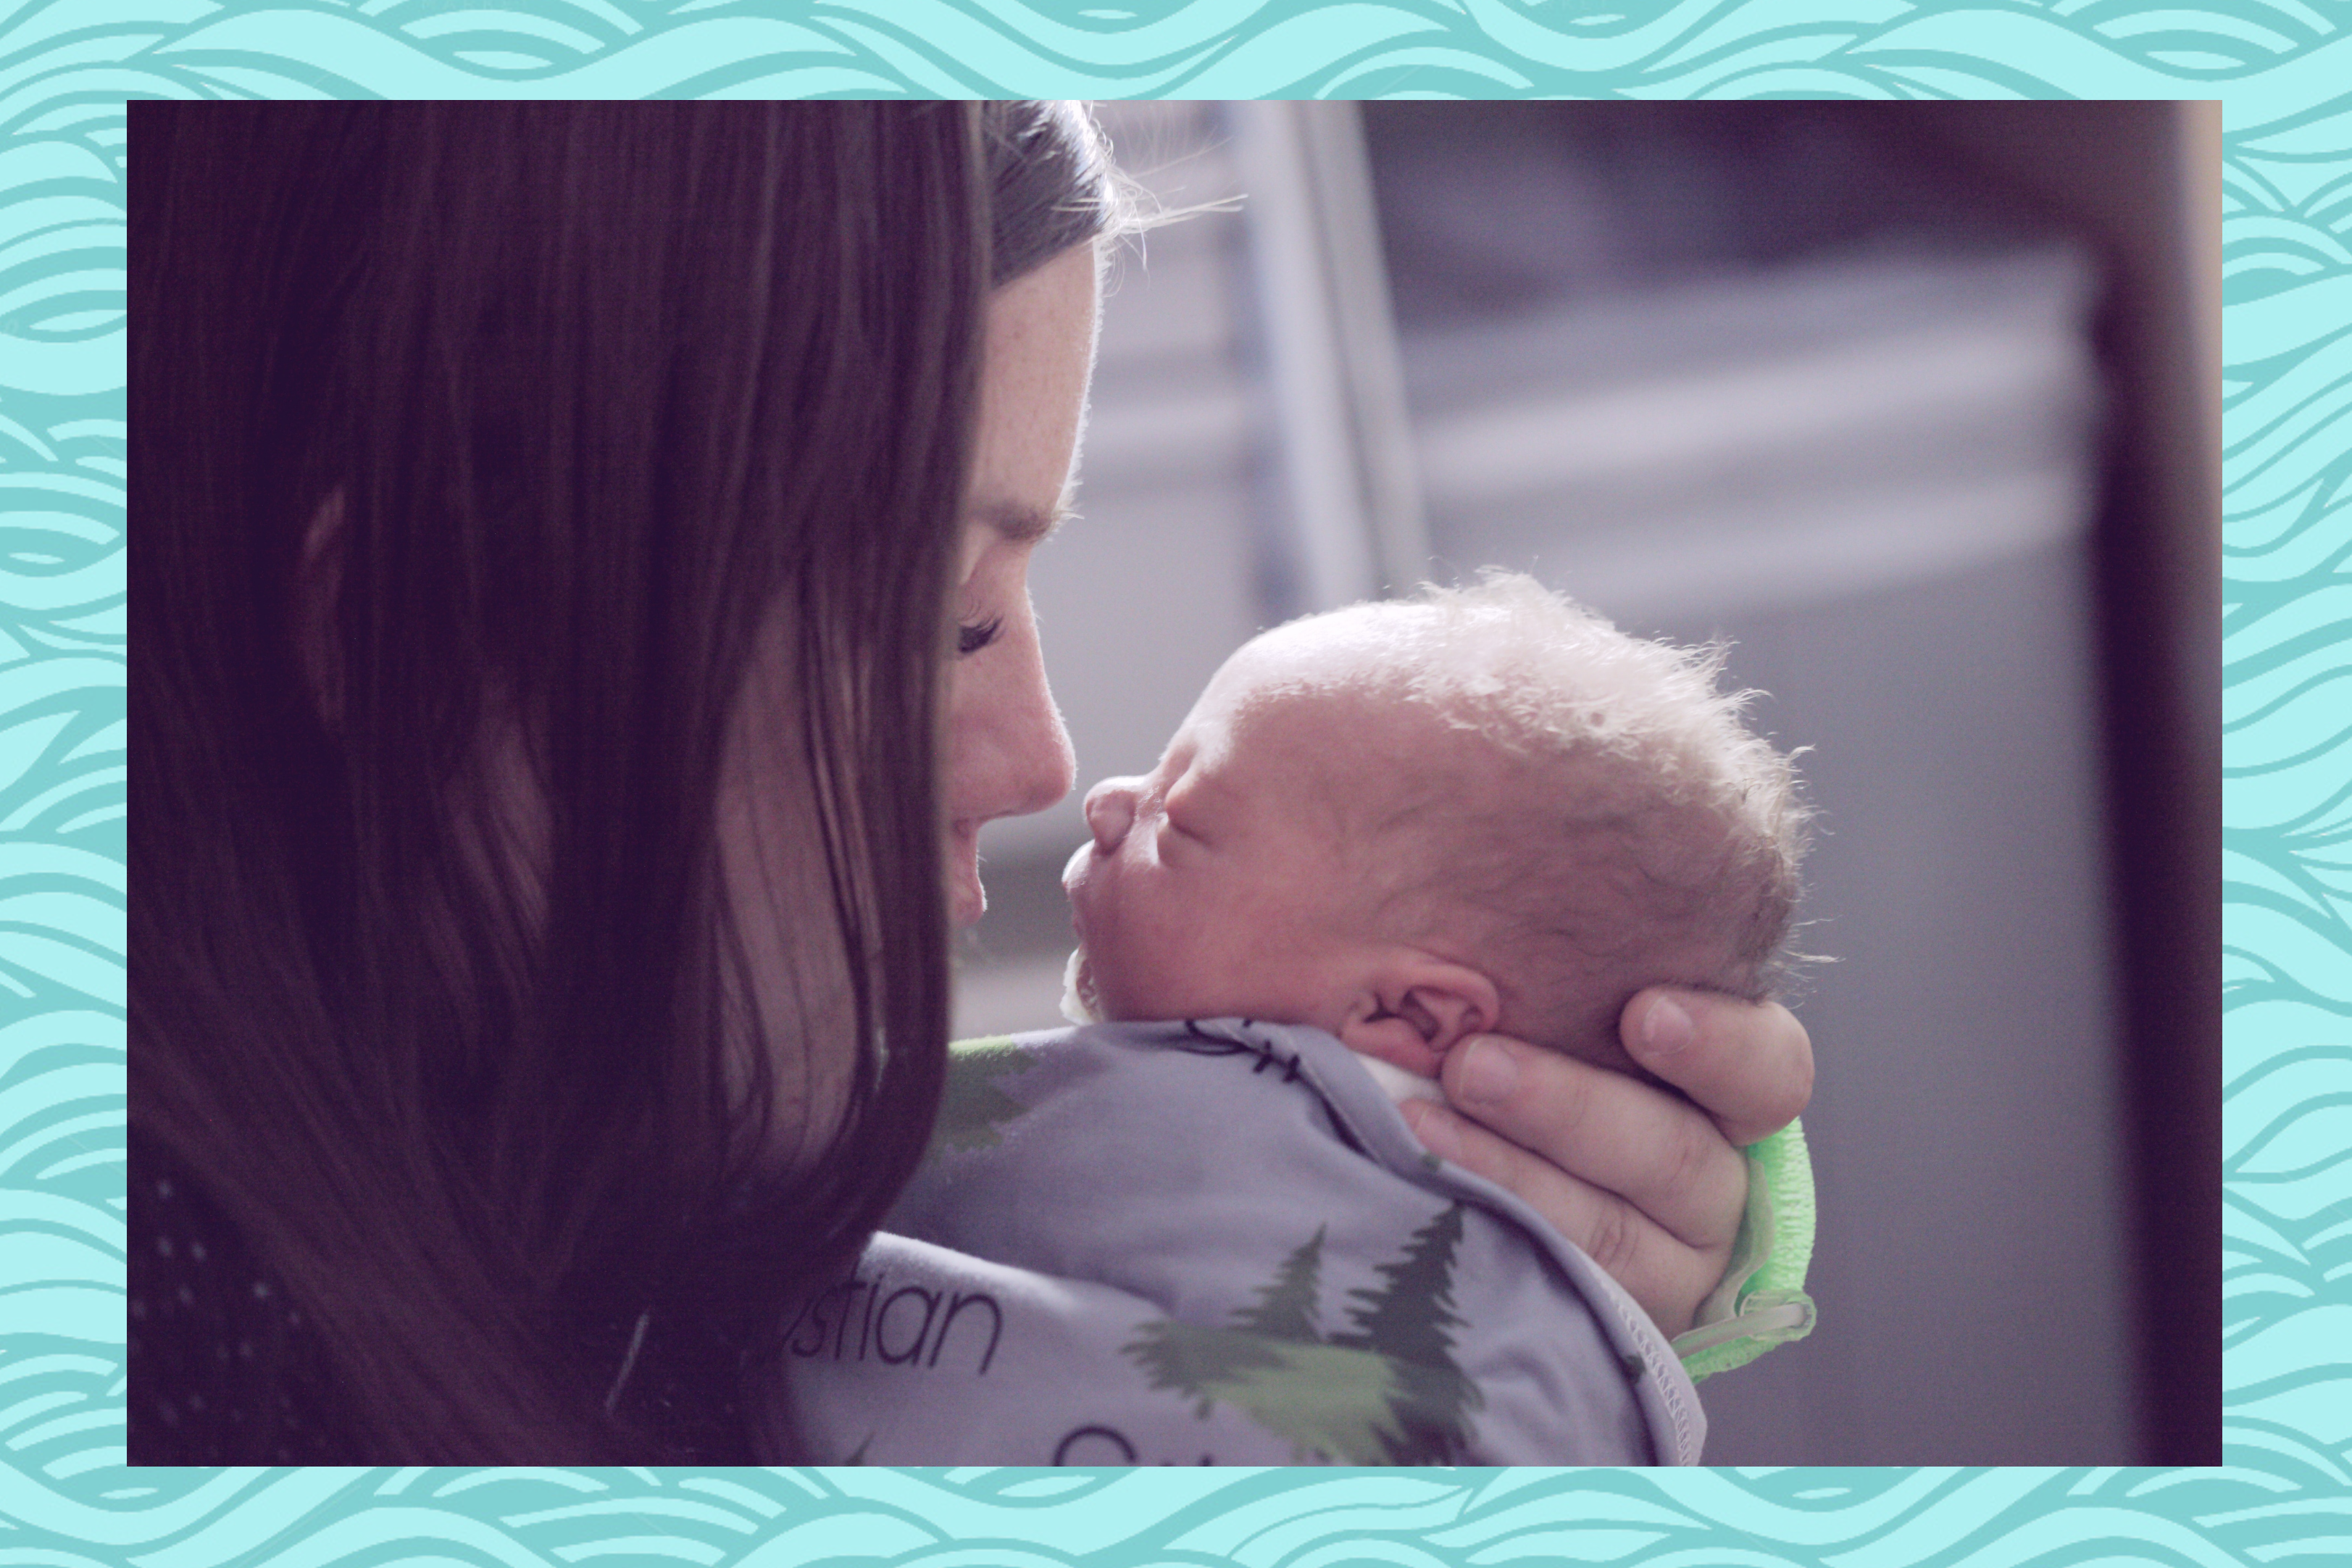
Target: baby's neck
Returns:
[[1399, 1084]]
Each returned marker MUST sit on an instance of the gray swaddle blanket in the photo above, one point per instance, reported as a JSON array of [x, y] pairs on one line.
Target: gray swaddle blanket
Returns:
[[1216, 1243]]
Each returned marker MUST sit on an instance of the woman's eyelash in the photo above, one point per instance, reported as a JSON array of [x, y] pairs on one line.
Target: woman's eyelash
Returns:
[[972, 638]]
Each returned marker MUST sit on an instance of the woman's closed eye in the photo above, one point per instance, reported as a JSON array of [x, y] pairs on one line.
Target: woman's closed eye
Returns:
[[970, 638]]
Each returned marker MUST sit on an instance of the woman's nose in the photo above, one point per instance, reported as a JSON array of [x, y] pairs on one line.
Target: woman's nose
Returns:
[[1110, 811], [1009, 753], [1041, 765]]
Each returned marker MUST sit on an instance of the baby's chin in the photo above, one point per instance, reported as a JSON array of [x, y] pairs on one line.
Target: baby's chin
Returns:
[[1079, 1003]]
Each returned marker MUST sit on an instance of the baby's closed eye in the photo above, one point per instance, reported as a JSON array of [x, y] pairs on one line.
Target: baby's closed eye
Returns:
[[1180, 822]]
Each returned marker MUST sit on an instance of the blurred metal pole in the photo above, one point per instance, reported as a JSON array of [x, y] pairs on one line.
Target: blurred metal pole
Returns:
[[1368, 341], [1343, 436]]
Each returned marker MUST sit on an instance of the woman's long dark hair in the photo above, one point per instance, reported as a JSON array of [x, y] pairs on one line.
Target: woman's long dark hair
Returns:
[[481, 450]]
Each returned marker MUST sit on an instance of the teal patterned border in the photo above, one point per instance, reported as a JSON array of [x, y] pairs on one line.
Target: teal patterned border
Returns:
[[2279, 66]]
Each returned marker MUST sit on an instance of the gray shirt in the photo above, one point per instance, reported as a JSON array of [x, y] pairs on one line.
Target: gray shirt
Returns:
[[1217, 1242]]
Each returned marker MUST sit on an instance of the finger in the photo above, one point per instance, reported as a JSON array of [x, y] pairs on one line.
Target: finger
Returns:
[[1629, 1138], [1748, 1064], [1667, 1277]]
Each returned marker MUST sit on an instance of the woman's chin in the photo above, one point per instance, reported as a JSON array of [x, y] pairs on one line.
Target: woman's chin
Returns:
[[967, 900]]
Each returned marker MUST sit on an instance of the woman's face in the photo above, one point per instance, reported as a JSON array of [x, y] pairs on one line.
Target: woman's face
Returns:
[[1007, 752]]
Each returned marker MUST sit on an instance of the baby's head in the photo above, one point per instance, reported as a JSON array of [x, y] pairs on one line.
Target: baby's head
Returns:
[[1480, 809]]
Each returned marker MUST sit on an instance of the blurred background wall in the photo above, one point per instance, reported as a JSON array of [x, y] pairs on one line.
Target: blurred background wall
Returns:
[[1913, 404]]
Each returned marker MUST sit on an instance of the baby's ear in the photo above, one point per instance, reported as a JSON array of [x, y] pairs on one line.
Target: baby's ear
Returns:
[[1419, 1007]]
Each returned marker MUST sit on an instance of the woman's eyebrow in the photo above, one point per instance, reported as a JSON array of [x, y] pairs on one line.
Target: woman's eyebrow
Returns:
[[1017, 521]]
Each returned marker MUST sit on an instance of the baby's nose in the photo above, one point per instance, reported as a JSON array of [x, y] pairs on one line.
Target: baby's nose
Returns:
[[1111, 810]]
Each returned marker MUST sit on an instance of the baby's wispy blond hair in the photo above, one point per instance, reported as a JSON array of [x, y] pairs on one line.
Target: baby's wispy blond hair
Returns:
[[1590, 796]]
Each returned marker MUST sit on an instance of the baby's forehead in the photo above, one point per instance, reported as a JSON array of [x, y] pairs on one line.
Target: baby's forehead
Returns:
[[1350, 747], [1348, 706], [1325, 698], [1330, 660]]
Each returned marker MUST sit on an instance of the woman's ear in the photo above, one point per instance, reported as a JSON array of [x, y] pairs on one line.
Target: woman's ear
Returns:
[[1416, 1008], [318, 593]]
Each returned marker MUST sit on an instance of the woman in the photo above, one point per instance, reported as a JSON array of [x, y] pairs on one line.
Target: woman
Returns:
[[546, 515]]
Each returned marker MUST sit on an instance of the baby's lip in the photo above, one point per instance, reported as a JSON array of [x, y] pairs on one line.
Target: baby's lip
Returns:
[[1078, 887]]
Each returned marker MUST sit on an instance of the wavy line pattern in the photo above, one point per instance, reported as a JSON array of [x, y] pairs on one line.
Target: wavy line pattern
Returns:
[[62, 463], [2286, 256], [66, 68]]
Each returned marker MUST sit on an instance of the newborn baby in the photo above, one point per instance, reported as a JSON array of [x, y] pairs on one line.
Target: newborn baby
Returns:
[[1209, 1236], [1404, 824]]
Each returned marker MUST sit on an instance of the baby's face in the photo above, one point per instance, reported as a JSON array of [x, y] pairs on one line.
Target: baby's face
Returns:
[[1218, 884]]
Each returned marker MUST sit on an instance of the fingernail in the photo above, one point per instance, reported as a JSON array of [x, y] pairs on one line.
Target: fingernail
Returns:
[[1434, 1129], [1489, 1076], [1666, 1029]]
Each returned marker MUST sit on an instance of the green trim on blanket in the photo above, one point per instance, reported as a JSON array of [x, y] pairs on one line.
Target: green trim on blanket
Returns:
[[974, 1103], [1761, 1301]]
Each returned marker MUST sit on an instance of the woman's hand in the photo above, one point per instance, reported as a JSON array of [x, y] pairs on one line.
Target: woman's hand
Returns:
[[1650, 1185]]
